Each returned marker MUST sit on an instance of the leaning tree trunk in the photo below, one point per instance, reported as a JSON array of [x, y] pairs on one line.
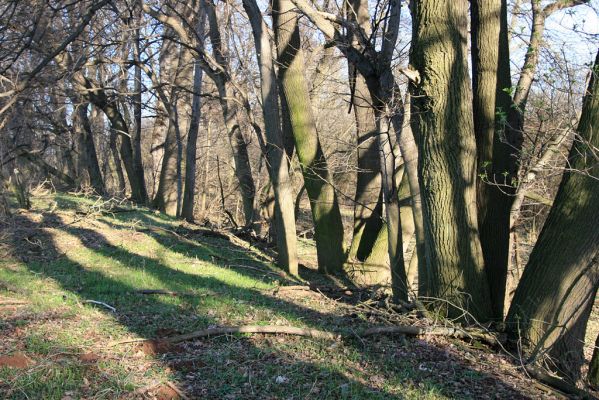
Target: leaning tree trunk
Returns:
[[553, 301], [277, 165], [328, 226], [442, 119]]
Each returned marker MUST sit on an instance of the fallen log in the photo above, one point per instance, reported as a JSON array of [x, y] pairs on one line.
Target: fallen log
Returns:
[[265, 329]]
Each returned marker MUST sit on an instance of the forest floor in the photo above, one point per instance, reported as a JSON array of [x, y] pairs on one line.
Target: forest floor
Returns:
[[68, 252]]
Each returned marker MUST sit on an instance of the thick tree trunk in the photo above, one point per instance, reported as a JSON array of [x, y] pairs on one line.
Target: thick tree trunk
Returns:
[[442, 118], [490, 78], [326, 216], [275, 154], [553, 301]]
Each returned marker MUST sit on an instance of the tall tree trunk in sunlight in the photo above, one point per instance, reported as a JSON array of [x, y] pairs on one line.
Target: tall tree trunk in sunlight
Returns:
[[442, 120], [275, 153], [230, 110], [194, 126], [553, 301], [326, 216]]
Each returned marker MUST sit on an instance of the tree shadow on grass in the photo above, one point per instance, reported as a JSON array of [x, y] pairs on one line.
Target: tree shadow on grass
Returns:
[[240, 367]]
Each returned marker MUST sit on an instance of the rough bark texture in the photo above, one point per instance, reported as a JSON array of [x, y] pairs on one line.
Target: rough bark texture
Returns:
[[326, 216], [553, 301], [277, 165], [442, 108], [488, 21]]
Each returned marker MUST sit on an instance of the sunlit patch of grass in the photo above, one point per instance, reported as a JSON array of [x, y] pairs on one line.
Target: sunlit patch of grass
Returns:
[[108, 257]]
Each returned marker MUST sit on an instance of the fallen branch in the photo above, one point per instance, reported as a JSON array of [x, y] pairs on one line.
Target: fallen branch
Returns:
[[166, 292], [111, 308], [557, 383], [267, 329], [177, 390]]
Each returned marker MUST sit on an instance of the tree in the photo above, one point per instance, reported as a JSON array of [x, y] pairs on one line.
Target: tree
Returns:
[[275, 152], [553, 301], [298, 111], [443, 122]]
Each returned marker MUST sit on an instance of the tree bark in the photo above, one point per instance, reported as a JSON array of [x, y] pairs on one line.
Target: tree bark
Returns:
[[192, 137], [368, 221], [490, 76], [275, 154], [88, 155], [553, 301], [442, 118], [326, 216]]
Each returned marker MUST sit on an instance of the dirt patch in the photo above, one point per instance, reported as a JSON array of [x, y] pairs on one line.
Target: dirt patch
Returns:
[[16, 360], [89, 358], [153, 347], [165, 392]]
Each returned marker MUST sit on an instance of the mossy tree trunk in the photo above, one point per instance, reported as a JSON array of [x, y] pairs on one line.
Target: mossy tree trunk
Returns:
[[553, 301], [326, 215], [442, 118]]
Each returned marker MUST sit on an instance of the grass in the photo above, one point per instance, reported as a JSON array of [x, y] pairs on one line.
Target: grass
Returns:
[[65, 252]]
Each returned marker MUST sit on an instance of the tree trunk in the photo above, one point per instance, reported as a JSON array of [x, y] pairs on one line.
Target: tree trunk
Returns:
[[442, 108], [490, 64], [173, 62], [138, 166], [239, 148], [192, 136], [368, 221], [88, 156], [326, 216], [553, 301], [593, 374], [275, 154]]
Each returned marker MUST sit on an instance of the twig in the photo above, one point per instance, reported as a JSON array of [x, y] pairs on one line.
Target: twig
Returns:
[[167, 292], [111, 308], [269, 329], [176, 389]]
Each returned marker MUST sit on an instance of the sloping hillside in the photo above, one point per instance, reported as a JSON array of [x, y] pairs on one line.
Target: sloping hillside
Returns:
[[93, 292]]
